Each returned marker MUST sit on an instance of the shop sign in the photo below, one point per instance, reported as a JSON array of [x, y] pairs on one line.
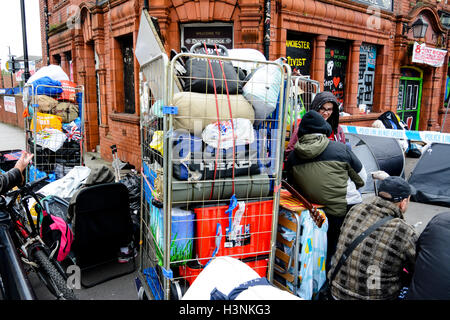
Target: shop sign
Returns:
[[222, 35], [427, 55], [31, 68], [10, 104], [382, 4], [299, 53]]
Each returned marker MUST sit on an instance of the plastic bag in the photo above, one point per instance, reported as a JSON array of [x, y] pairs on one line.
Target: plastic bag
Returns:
[[156, 109], [157, 141], [312, 258], [68, 93], [243, 133], [66, 186], [33, 171], [133, 183], [52, 139], [45, 120], [73, 130], [52, 71], [262, 90], [249, 54], [227, 273]]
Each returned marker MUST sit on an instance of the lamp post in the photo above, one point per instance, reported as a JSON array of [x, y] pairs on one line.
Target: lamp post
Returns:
[[1, 73], [24, 38]]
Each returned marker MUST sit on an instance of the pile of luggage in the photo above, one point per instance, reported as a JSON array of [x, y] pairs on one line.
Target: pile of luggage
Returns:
[[55, 122], [224, 152], [230, 97]]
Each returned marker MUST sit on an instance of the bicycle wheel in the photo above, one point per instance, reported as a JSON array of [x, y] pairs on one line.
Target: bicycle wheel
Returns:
[[54, 280]]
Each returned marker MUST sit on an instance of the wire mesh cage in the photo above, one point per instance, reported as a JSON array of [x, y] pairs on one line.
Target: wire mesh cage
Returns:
[[54, 129], [302, 93], [212, 129]]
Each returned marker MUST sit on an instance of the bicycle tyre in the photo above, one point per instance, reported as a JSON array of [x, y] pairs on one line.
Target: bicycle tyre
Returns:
[[57, 281]]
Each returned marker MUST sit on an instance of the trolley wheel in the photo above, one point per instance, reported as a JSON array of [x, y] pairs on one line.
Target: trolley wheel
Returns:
[[142, 295], [178, 289]]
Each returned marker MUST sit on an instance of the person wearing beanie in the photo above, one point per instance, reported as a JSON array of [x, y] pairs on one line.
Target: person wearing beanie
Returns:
[[375, 268], [320, 169], [327, 105]]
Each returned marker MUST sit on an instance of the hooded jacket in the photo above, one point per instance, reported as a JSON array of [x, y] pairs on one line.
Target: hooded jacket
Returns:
[[336, 134], [324, 97], [320, 168]]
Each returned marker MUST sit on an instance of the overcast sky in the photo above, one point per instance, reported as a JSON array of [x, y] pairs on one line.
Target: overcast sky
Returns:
[[11, 29]]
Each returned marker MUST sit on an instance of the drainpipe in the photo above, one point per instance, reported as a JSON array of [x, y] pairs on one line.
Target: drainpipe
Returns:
[[46, 30], [446, 111], [145, 5], [266, 40]]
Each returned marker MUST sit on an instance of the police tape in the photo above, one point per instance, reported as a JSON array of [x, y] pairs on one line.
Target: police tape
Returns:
[[425, 136]]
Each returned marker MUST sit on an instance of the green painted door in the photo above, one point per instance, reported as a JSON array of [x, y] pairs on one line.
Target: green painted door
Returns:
[[410, 96]]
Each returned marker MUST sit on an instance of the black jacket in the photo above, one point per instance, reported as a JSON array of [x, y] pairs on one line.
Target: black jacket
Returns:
[[9, 180], [320, 169], [431, 278]]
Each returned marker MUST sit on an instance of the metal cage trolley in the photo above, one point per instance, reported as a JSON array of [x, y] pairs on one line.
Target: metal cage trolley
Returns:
[[211, 133], [54, 129], [301, 94]]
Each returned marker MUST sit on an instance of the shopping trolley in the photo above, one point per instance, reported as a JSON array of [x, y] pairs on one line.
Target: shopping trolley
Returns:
[[54, 129], [206, 194], [302, 92]]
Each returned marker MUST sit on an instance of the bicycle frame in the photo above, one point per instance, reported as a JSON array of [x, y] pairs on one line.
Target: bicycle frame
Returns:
[[15, 282], [29, 241], [32, 237]]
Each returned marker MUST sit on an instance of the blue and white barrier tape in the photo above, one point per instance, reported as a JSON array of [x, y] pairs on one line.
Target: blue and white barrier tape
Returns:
[[425, 136]]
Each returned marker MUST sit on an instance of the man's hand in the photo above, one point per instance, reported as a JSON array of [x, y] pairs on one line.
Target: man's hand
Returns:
[[379, 175], [23, 161]]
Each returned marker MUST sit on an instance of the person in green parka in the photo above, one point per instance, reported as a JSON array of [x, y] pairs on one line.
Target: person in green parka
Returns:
[[320, 168]]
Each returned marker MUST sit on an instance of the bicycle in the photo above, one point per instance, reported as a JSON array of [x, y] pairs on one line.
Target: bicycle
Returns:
[[30, 246]]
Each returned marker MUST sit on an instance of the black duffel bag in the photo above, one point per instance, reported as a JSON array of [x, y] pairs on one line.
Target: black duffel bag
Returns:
[[199, 78], [195, 160]]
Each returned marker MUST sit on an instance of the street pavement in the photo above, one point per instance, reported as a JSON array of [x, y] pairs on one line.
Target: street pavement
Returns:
[[123, 288]]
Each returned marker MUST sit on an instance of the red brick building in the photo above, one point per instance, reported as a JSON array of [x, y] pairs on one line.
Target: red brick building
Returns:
[[359, 51]]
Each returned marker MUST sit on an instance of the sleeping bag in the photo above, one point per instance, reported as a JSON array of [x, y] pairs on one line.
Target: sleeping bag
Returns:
[[197, 110]]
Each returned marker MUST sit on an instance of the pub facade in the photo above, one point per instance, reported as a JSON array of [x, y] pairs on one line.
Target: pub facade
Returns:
[[365, 52]]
